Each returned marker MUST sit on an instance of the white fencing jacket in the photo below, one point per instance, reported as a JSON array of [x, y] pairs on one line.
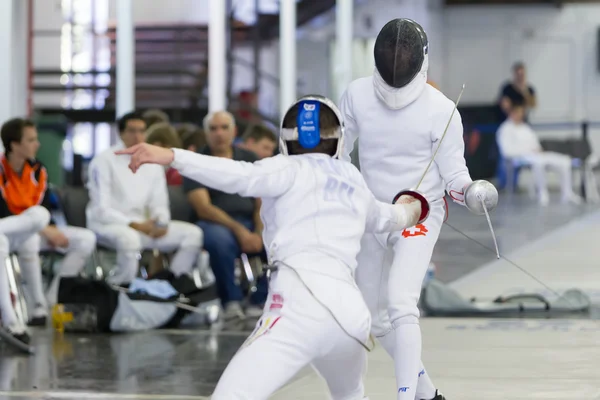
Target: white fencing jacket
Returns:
[[118, 196], [311, 204], [398, 136]]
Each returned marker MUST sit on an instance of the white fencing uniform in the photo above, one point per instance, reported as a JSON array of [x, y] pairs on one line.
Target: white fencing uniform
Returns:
[[315, 210], [119, 197], [398, 131], [519, 141], [82, 243], [18, 233]]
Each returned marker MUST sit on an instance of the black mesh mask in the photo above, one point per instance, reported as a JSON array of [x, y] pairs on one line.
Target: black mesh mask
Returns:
[[400, 49]]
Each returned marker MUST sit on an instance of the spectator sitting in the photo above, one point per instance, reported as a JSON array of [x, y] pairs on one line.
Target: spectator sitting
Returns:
[[130, 212], [260, 140], [517, 140], [231, 223], [192, 137], [155, 116], [24, 184], [164, 135]]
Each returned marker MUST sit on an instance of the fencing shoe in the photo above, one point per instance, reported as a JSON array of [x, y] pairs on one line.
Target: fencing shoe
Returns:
[[17, 336], [438, 396], [18, 332]]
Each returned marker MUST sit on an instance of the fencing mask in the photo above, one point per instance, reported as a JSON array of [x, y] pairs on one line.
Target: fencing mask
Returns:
[[313, 124], [400, 51]]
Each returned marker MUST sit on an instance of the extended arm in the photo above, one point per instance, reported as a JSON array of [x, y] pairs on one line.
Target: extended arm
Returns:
[[383, 217], [99, 187], [270, 177]]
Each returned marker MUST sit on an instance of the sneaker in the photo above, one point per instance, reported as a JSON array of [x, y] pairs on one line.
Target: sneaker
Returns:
[[233, 310], [254, 311], [39, 316], [18, 332]]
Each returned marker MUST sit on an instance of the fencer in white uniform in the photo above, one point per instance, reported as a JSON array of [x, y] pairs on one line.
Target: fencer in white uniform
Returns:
[[517, 140], [315, 210], [130, 212], [399, 121]]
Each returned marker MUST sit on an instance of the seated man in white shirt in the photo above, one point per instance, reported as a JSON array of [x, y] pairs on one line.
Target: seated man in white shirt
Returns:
[[130, 212], [517, 140]]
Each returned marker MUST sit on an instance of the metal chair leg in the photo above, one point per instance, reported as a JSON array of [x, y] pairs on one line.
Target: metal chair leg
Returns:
[[98, 272], [13, 270]]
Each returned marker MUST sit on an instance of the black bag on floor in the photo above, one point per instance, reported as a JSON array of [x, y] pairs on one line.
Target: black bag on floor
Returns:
[[86, 305]]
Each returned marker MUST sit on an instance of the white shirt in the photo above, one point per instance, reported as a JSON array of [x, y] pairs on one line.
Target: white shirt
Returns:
[[311, 204], [118, 196], [517, 140], [396, 145]]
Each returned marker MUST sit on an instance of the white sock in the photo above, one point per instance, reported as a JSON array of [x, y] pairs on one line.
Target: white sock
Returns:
[[184, 260], [388, 342], [127, 268], [81, 245], [407, 358], [425, 388], [32, 275]]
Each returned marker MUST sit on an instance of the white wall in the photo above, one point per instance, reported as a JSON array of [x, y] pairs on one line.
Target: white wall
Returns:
[[369, 17], [559, 47], [472, 44]]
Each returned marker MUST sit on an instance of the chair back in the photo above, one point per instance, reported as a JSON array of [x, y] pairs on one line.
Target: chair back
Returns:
[[179, 204], [73, 202]]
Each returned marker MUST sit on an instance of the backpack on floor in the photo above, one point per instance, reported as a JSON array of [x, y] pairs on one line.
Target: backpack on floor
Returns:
[[86, 305]]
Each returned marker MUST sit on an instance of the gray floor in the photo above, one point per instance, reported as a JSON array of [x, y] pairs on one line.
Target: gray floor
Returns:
[[517, 221], [469, 359]]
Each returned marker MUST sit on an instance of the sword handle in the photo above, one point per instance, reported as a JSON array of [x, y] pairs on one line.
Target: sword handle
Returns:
[[425, 207]]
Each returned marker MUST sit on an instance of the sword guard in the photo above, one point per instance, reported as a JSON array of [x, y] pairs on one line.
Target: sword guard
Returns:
[[425, 207]]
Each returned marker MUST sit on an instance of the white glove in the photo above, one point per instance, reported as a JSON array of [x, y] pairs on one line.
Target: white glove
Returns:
[[412, 209]]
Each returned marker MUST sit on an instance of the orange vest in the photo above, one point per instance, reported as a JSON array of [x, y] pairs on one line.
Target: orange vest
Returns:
[[28, 189]]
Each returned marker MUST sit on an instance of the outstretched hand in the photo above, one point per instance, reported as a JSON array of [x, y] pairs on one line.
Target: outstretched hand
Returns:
[[145, 153]]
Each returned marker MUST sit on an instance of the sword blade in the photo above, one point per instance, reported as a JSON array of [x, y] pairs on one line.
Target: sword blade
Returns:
[[489, 221], [442, 138], [514, 264]]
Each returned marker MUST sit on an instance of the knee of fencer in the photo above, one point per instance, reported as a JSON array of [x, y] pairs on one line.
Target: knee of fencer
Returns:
[[129, 241], [84, 242], [380, 327], [30, 248], [194, 238], [405, 320], [39, 215]]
